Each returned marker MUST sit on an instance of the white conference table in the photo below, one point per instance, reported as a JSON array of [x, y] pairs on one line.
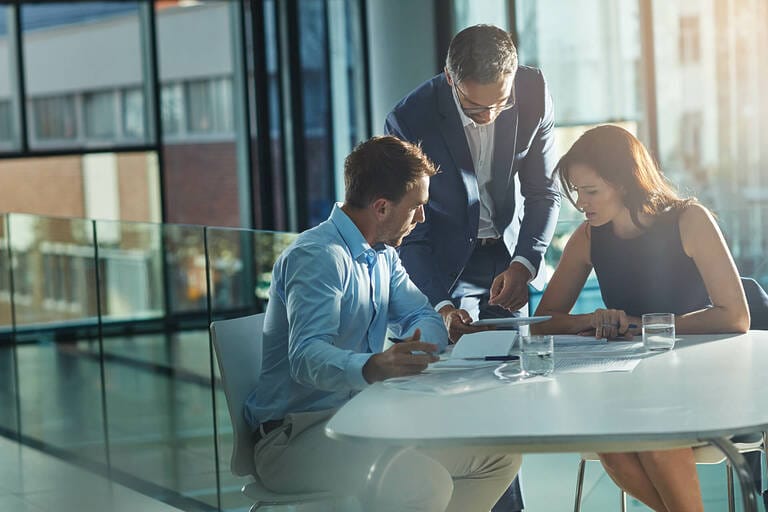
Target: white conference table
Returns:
[[708, 388]]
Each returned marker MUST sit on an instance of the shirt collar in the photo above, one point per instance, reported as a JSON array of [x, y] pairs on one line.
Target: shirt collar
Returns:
[[358, 245]]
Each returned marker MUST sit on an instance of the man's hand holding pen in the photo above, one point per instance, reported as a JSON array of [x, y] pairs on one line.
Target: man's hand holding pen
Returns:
[[408, 356]]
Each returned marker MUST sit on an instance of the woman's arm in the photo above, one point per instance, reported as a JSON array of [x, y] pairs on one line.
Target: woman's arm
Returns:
[[704, 243], [564, 288]]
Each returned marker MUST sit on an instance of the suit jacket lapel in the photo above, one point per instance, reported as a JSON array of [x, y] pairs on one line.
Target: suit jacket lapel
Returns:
[[453, 134], [504, 148]]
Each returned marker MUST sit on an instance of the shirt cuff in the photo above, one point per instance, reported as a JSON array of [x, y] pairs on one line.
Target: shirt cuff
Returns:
[[354, 370], [441, 304], [527, 264]]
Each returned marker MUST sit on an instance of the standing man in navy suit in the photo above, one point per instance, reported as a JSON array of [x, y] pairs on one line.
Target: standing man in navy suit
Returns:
[[489, 126]]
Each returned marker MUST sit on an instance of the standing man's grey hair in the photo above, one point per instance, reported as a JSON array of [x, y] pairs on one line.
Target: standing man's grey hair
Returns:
[[482, 54]]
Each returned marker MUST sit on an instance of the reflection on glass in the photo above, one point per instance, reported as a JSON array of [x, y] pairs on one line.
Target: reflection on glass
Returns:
[[131, 270], [187, 287]]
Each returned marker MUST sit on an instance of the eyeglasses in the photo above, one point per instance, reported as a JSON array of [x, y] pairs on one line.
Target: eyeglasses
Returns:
[[470, 111]]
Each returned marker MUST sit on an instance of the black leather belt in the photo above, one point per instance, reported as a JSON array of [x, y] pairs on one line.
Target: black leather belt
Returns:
[[484, 242], [265, 428]]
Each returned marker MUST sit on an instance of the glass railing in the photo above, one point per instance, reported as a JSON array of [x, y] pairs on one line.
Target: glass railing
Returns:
[[105, 355]]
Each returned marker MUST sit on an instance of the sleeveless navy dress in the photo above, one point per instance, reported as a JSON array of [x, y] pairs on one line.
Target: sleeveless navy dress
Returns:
[[647, 274]]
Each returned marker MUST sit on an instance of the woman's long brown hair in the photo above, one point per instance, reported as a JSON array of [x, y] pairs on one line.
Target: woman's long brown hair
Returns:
[[620, 158]]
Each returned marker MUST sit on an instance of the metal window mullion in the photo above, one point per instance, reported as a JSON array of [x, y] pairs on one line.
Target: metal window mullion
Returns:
[[365, 113], [151, 80], [265, 216], [16, 39], [292, 115]]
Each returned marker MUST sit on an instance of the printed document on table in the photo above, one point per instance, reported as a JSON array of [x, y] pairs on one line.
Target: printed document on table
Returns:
[[477, 345], [577, 365]]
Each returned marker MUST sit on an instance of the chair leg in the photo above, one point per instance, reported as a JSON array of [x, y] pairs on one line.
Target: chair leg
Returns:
[[579, 486], [623, 500], [729, 479]]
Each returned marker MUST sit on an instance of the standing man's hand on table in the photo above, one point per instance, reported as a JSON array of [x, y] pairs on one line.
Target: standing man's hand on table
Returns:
[[510, 288], [400, 359], [458, 322]]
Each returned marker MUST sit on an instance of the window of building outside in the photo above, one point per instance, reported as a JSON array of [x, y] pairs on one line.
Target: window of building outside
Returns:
[[209, 106], [55, 118], [100, 114], [172, 108], [6, 122], [132, 101]]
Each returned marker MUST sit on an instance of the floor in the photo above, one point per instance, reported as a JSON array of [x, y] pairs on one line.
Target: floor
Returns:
[[159, 422], [31, 481]]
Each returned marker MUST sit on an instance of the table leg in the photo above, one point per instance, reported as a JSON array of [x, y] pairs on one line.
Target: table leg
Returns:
[[739, 465]]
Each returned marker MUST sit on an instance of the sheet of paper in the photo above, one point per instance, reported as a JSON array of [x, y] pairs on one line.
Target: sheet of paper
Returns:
[[604, 365], [567, 339], [486, 343], [613, 348]]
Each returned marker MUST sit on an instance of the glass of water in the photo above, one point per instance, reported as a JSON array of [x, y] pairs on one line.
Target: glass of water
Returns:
[[659, 331], [537, 354]]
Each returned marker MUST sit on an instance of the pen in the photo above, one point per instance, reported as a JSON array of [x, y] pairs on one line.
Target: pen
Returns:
[[396, 340], [490, 358], [630, 326]]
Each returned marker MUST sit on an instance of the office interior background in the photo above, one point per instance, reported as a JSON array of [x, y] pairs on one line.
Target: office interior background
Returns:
[[156, 157]]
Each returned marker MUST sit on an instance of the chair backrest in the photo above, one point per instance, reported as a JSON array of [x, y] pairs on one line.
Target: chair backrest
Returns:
[[757, 299], [237, 344]]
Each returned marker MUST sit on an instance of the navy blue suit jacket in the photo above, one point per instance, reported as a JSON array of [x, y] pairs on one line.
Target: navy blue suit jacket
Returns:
[[436, 252]]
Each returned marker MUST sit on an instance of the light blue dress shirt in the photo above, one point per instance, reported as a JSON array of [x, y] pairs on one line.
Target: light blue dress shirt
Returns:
[[332, 299]]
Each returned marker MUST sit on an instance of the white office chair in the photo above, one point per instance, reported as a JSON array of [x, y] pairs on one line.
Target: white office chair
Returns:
[[707, 454], [237, 344]]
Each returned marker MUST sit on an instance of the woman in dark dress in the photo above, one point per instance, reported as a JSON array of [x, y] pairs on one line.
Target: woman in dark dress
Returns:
[[652, 251]]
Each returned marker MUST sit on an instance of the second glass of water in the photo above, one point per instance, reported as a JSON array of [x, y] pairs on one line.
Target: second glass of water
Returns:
[[659, 331], [537, 354]]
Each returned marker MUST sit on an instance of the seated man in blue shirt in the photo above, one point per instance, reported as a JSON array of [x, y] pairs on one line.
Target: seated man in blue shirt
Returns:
[[334, 293]]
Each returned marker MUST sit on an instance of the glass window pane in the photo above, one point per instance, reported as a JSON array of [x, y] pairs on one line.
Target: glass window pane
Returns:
[[197, 69], [710, 81], [9, 132], [133, 113], [78, 57], [100, 110], [118, 186], [593, 72], [6, 121], [317, 137], [171, 108], [468, 12], [54, 118]]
